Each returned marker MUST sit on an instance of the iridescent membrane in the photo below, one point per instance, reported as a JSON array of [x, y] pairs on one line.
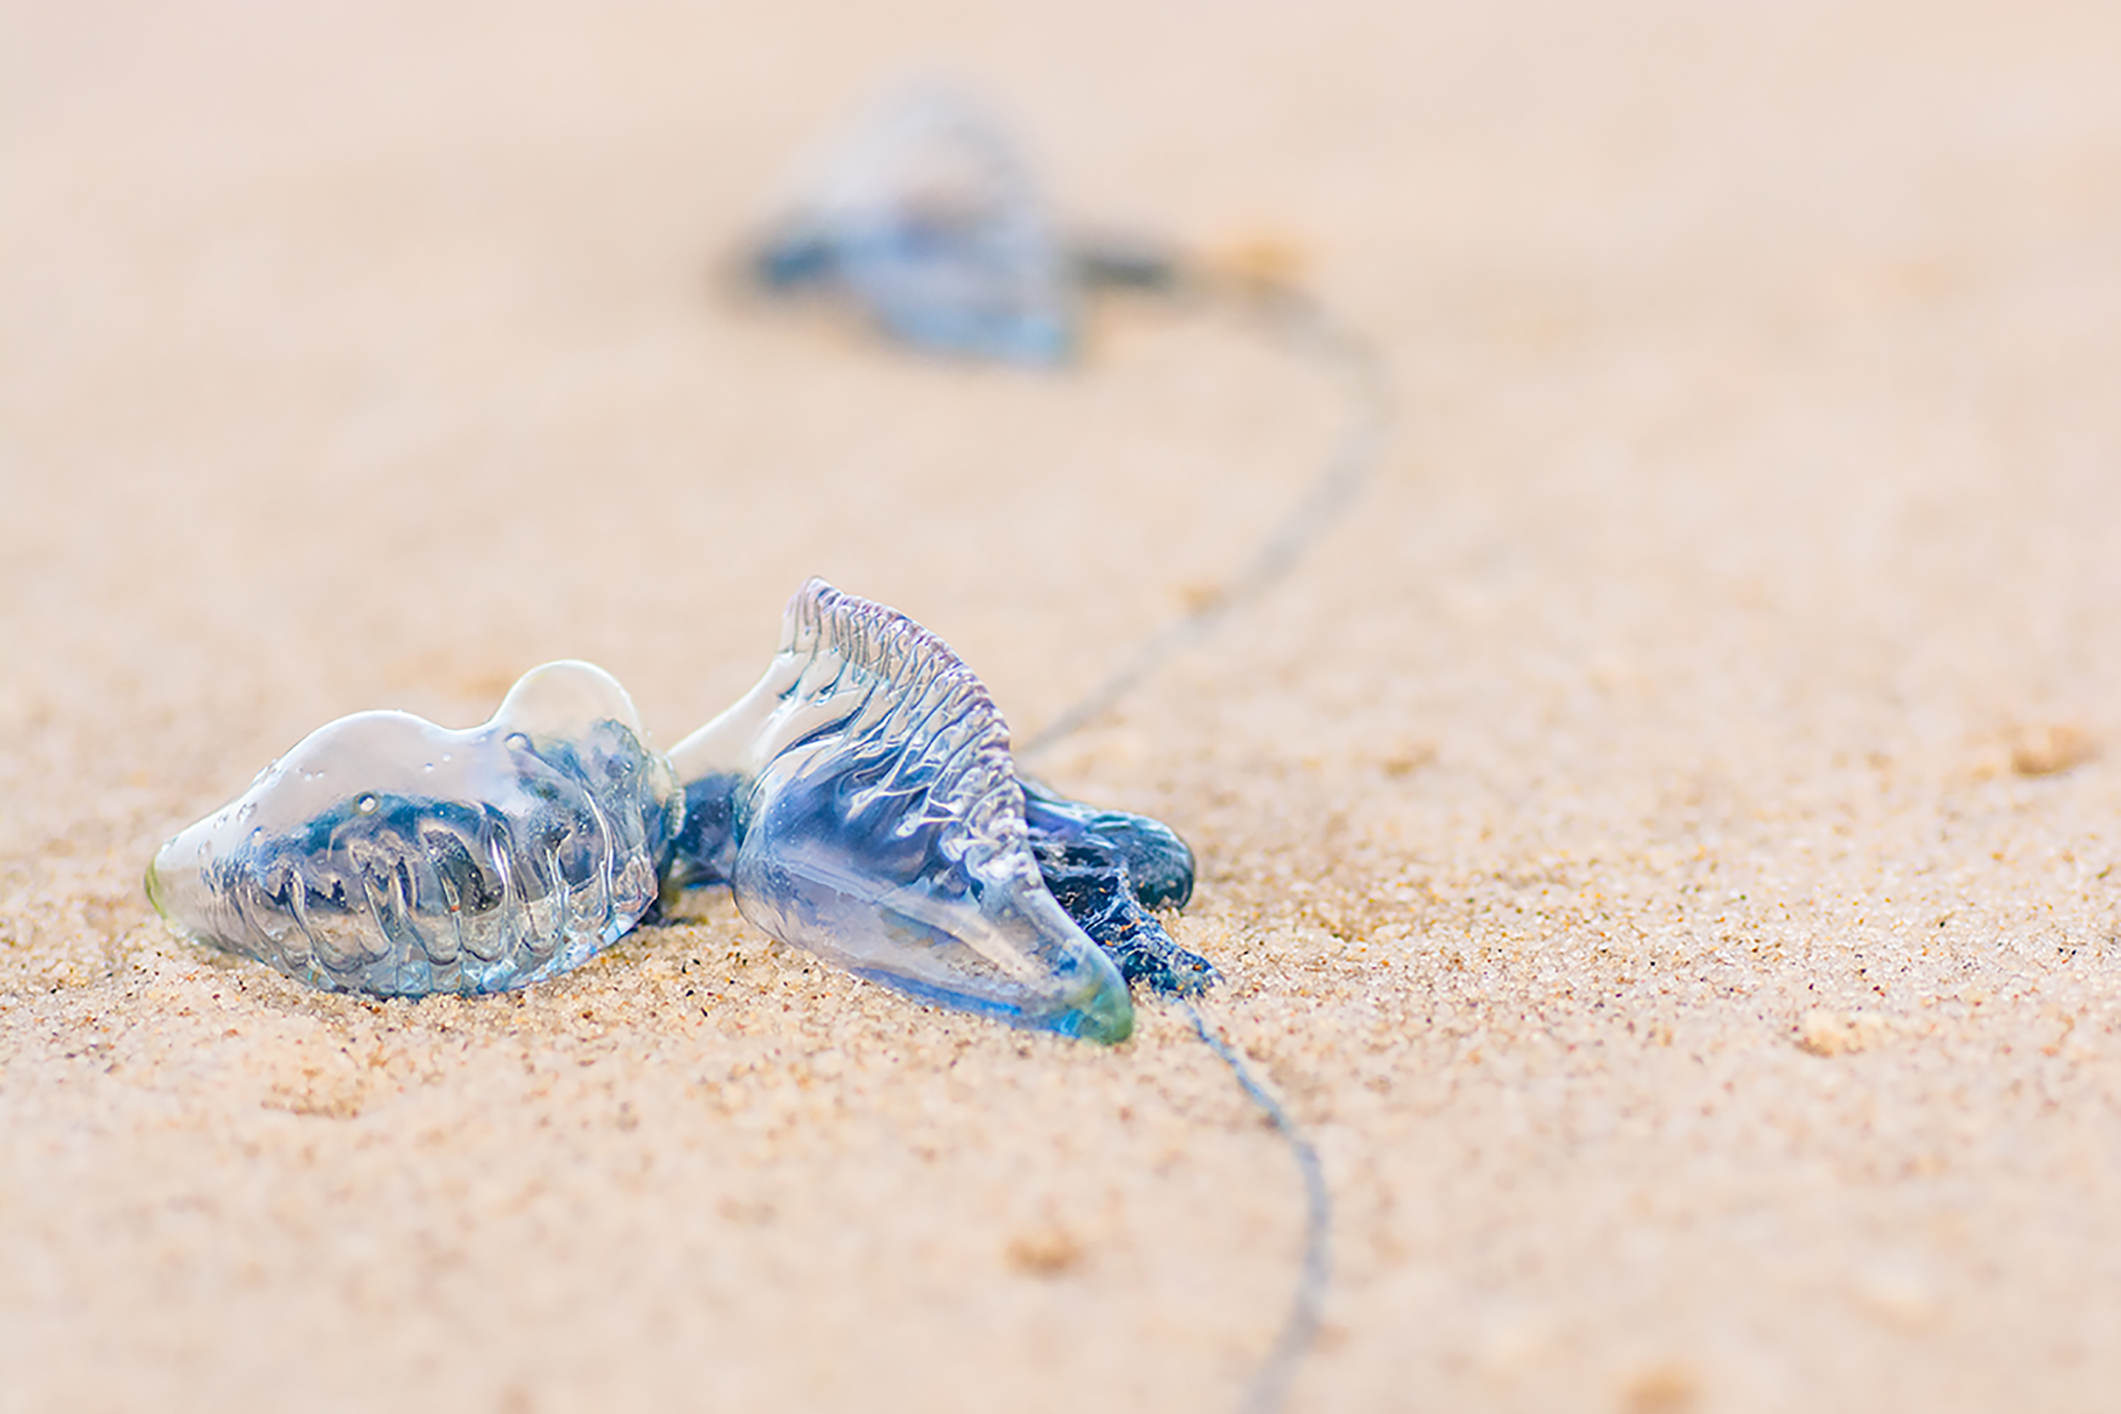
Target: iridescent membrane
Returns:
[[927, 218], [390, 856], [862, 803]]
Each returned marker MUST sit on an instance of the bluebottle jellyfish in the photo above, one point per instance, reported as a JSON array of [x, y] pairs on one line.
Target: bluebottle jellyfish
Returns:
[[384, 854], [861, 803], [927, 218]]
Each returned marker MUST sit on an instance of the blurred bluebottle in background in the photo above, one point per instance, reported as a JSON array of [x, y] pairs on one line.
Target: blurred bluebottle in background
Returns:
[[926, 216]]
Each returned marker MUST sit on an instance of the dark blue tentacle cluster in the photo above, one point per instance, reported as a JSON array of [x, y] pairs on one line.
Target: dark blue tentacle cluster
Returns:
[[1108, 869]]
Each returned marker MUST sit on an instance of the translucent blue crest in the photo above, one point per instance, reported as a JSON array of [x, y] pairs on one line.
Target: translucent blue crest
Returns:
[[861, 802], [387, 855], [927, 218]]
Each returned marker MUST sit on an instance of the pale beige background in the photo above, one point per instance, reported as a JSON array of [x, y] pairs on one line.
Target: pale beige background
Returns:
[[1612, 840]]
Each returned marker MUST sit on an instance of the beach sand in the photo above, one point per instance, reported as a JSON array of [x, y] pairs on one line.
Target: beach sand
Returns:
[[1663, 845]]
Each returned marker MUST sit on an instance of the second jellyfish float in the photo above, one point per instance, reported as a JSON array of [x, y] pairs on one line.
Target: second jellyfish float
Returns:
[[387, 855]]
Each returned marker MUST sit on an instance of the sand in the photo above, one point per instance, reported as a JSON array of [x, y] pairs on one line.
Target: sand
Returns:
[[1664, 846]]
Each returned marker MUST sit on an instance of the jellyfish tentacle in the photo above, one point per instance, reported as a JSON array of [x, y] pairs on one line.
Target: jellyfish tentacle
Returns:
[[1090, 858]]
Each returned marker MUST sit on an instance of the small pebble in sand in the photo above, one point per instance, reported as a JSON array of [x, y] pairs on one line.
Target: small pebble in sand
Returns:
[[1664, 1388], [1404, 758], [1259, 264], [1044, 1251], [2043, 751], [1834, 1033]]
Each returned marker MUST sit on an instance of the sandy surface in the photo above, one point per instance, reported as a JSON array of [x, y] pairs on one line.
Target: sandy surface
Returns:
[[1631, 843]]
